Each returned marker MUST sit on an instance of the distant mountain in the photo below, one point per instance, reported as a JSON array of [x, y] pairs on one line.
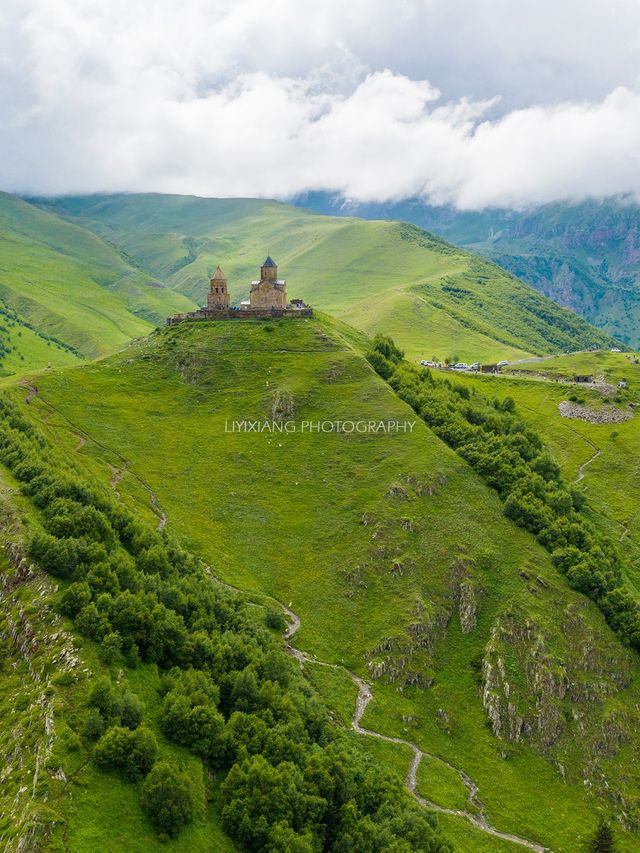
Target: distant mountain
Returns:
[[584, 256], [392, 277]]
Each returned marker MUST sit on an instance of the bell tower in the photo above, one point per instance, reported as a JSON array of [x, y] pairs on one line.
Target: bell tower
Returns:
[[269, 270], [218, 298]]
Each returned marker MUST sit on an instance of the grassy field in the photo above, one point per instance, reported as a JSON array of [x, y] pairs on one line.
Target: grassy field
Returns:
[[384, 276], [367, 537], [71, 286], [610, 481]]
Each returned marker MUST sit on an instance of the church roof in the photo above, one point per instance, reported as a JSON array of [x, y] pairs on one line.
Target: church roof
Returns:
[[269, 262], [219, 275]]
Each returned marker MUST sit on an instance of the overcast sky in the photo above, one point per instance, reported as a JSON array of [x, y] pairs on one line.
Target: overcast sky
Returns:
[[470, 102]]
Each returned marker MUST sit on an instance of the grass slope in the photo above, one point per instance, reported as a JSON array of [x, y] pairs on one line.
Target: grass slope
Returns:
[[378, 276], [369, 538], [585, 255], [69, 285], [608, 452]]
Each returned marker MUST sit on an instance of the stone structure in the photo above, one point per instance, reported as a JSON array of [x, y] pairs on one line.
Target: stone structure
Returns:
[[267, 298], [270, 291], [218, 297]]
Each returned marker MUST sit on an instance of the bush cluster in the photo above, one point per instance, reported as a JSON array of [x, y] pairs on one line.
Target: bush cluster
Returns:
[[512, 459], [230, 693]]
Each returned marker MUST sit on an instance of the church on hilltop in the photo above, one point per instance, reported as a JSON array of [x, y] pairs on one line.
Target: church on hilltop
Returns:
[[267, 298]]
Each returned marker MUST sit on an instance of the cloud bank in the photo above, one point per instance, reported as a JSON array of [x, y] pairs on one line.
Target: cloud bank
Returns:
[[468, 103]]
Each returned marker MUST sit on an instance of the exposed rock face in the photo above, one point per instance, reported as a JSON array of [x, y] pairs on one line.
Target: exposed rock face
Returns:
[[467, 607], [282, 407], [556, 694], [407, 658]]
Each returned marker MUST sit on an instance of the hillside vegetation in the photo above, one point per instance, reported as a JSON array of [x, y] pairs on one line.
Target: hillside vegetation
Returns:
[[583, 255], [433, 298], [395, 556], [66, 294]]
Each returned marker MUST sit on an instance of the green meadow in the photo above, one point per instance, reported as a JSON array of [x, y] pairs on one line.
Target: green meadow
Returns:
[[379, 276], [368, 538]]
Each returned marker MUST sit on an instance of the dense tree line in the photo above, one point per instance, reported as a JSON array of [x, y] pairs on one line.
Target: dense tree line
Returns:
[[512, 459], [229, 692]]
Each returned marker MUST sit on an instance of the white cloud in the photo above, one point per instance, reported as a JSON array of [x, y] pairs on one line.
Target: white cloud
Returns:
[[248, 98]]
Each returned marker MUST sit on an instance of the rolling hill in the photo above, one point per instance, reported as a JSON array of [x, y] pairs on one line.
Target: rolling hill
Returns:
[[397, 559], [433, 298], [583, 255], [66, 294]]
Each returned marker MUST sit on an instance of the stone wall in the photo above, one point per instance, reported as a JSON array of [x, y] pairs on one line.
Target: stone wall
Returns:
[[231, 314]]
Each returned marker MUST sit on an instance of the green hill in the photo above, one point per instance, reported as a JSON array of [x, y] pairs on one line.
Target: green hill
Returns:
[[584, 255], [65, 293], [395, 556], [433, 298]]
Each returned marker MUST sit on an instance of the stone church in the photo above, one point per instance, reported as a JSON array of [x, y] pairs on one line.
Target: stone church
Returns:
[[267, 298], [270, 291]]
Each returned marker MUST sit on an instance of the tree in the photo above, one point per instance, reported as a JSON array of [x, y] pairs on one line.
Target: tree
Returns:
[[132, 754], [603, 841], [132, 711], [110, 648], [167, 799], [94, 725], [74, 598]]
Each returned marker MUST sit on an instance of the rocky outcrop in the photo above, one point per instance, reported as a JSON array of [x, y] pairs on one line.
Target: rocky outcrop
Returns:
[[605, 415], [529, 692]]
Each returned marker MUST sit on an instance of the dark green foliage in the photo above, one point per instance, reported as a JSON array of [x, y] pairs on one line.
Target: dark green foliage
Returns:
[[130, 753], [512, 459], [107, 699], [94, 725], [603, 840], [74, 598], [230, 694], [167, 799], [132, 711], [60, 557], [110, 648], [275, 619]]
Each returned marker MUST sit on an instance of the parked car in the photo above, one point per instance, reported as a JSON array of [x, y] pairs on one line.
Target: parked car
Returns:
[[429, 364], [503, 363], [461, 366], [475, 366]]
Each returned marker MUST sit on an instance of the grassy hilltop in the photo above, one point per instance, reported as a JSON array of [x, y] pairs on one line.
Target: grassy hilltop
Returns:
[[394, 554], [66, 294], [433, 298]]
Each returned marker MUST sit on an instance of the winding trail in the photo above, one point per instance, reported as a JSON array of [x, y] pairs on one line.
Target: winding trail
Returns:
[[588, 462], [33, 392], [474, 813]]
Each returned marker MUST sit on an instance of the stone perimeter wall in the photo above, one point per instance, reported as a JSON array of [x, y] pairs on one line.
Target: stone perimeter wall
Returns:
[[251, 314]]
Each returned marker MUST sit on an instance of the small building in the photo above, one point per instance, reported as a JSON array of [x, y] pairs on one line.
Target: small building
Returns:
[[583, 377], [488, 368]]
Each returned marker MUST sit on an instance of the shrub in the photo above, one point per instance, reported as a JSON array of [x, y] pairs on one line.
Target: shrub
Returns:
[[132, 711], [274, 618], [93, 728], [130, 753], [167, 799]]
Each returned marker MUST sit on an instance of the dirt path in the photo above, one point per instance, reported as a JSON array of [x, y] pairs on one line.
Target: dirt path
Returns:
[[584, 465], [124, 468], [81, 441], [474, 812]]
